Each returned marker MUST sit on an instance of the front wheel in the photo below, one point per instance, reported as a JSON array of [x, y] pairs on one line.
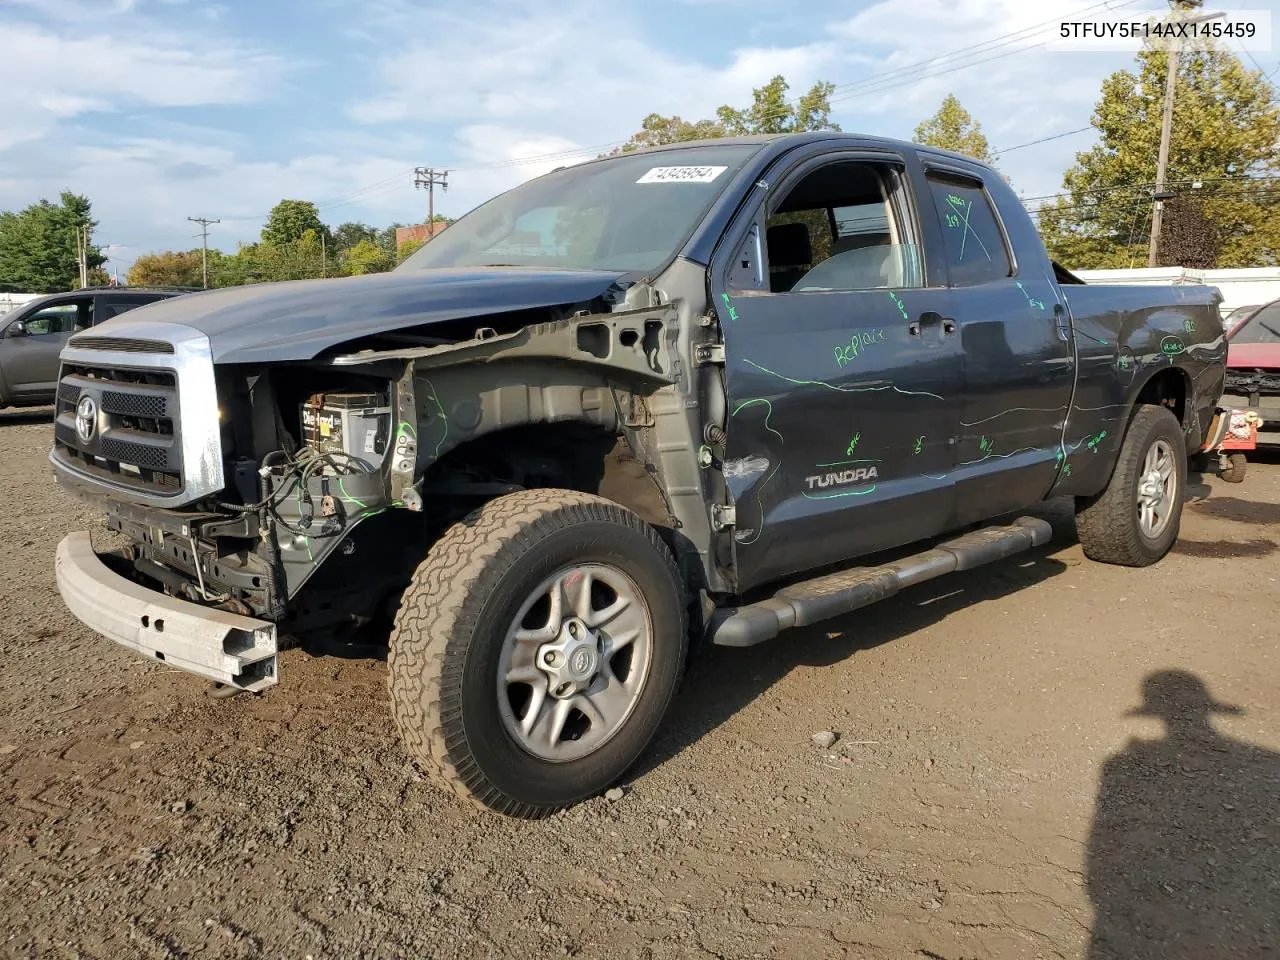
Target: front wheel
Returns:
[[537, 649], [1134, 521]]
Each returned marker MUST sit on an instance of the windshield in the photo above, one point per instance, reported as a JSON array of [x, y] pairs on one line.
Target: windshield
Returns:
[[629, 213], [1263, 328]]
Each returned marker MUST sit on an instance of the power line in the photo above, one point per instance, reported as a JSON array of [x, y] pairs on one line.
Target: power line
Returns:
[[1032, 143]]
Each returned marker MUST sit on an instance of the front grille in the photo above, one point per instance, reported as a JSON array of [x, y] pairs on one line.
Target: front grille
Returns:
[[121, 344], [152, 405], [135, 438], [139, 454]]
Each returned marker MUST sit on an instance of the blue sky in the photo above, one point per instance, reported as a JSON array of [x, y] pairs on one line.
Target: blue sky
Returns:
[[163, 109]]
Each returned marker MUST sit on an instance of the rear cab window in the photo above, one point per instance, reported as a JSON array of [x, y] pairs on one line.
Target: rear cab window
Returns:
[[973, 240]]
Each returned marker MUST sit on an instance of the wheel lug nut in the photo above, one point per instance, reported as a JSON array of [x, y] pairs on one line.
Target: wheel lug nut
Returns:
[[550, 658]]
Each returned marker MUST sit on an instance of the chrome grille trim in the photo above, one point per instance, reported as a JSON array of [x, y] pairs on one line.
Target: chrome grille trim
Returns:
[[190, 360], [120, 344]]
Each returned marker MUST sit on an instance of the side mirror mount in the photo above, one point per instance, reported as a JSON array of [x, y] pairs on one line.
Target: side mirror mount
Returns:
[[17, 329]]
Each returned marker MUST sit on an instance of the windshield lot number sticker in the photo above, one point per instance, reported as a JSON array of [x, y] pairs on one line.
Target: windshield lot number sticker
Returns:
[[682, 174]]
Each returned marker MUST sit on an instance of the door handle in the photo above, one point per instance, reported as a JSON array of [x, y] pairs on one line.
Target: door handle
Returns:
[[1062, 323], [948, 326], [929, 318]]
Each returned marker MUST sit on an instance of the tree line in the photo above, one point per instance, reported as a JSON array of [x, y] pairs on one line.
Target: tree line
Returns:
[[1223, 174], [294, 244]]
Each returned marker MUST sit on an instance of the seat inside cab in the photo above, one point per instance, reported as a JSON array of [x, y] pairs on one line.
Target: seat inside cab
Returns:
[[834, 231]]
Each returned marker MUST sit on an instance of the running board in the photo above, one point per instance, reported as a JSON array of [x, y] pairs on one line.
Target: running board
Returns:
[[822, 598]]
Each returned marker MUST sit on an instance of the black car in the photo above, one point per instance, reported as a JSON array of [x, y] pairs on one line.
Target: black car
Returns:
[[32, 336]]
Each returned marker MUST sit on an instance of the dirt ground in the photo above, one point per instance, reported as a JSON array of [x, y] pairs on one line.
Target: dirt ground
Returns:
[[990, 793]]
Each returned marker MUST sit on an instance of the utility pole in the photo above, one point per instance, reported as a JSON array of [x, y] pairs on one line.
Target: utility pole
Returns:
[[204, 246], [428, 177], [82, 254], [1166, 130]]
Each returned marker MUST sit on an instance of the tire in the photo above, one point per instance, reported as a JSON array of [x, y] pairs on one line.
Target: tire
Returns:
[[1235, 469], [1109, 524], [455, 637]]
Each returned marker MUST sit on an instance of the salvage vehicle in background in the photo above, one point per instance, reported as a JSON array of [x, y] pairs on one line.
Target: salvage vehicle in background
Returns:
[[32, 336], [1253, 369], [654, 396]]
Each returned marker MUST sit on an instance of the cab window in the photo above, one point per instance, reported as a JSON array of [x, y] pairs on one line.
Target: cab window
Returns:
[[974, 243], [59, 318], [843, 227]]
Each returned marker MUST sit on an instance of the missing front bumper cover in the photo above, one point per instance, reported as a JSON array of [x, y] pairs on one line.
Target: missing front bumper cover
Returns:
[[226, 647]]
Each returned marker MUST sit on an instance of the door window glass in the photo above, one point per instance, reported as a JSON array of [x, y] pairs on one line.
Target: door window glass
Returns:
[[839, 229], [112, 308], [974, 243], [53, 320]]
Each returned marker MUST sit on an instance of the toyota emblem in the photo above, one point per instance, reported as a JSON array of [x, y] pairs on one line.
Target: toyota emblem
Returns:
[[86, 418]]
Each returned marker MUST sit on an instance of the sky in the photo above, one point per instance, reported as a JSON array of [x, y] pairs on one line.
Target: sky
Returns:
[[159, 110]]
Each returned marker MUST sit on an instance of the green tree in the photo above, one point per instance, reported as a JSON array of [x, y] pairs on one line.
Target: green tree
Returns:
[[365, 257], [953, 128], [290, 220], [270, 262], [38, 245], [349, 234], [770, 112], [386, 239], [1225, 133], [170, 268], [408, 249]]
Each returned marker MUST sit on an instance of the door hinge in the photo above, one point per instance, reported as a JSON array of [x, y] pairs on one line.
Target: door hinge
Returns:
[[723, 516], [707, 353]]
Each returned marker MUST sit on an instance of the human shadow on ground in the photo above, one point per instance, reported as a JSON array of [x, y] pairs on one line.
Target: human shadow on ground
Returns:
[[1184, 857]]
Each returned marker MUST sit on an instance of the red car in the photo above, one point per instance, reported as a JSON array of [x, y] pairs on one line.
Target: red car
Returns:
[[1253, 369]]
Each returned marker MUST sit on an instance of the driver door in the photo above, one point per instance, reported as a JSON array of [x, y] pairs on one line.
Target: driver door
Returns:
[[842, 368], [33, 342]]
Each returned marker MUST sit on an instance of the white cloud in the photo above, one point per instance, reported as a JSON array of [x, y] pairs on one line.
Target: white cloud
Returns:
[[553, 63], [498, 91], [50, 75]]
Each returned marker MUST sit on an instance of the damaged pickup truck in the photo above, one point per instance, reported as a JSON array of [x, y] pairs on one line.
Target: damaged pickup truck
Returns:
[[711, 391]]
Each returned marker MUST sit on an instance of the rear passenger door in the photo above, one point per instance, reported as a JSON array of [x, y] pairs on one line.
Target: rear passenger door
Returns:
[[841, 367], [112, 306], [1019, 367]]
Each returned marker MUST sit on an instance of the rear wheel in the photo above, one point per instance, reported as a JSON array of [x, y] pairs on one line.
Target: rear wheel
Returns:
[[537, 649], [1134, 521]]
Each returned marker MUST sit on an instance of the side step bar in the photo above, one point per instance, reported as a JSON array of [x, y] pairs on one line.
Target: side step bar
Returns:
[[822, 598]]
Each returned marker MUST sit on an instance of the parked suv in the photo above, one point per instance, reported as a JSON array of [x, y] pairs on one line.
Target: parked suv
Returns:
[[33, 335]]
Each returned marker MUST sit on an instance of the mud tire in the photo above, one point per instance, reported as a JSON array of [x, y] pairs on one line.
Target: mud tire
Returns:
[[1107, 524], [452, 622]]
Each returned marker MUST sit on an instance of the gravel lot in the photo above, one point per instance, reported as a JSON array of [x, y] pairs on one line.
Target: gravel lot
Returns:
[[989, 793]]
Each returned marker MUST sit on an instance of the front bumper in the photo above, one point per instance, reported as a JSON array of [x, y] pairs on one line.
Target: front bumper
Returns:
[[232, 649]]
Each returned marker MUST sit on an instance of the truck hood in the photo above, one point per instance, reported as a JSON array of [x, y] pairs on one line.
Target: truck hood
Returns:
[[298, 319], [1253, 356]]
